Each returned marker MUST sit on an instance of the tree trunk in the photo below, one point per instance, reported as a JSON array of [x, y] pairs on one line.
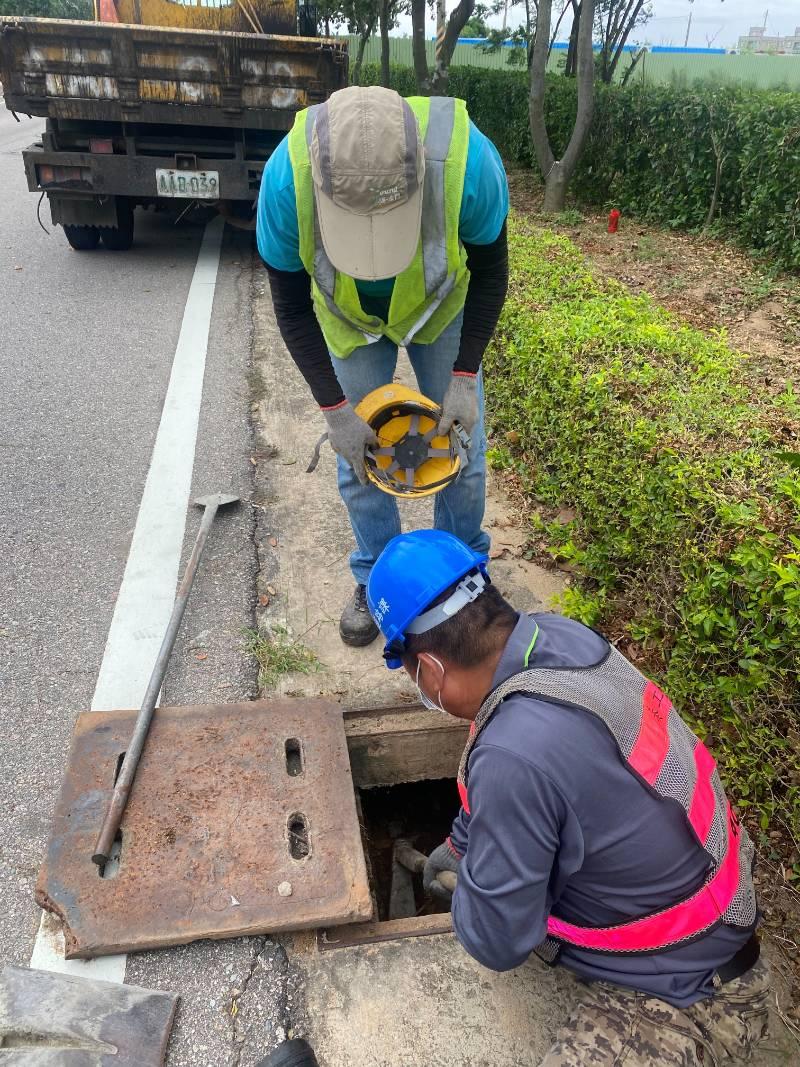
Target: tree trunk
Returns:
[[385, 73], [455, 24], [572, 48], [631, 68], [630, 15], [555, 190], [717, 145], [558, 173], [418, 8], [541, 43], [366, 33]]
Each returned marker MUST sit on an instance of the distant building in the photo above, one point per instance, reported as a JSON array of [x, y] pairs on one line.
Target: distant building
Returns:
[[758, 41]]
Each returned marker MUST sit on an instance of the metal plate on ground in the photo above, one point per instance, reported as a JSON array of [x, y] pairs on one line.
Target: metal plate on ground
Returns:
[[242, 820], [58, 1019]]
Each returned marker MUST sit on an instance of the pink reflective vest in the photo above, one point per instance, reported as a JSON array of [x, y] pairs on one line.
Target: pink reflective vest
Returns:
[[662, 752]]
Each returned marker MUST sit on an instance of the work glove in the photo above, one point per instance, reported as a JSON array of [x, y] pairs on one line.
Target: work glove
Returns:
[[349, 435], [460, 403], [442, 858]]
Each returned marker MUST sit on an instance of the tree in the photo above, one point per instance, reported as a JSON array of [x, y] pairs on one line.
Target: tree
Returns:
[[476, 25], [361, 17], [558, 172], [522, 36], [434, 82], [329, 13], [48, 9], [615, 20], [390, 10]]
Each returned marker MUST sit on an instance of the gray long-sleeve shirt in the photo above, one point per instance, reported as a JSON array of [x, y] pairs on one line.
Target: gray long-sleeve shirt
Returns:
[[558, 823]]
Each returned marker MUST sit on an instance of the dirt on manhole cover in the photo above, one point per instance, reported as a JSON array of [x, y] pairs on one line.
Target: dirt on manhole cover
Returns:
[[231, 804]]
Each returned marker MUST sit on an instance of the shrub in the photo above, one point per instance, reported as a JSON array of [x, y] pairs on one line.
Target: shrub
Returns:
[[687, 528], [653, 150]]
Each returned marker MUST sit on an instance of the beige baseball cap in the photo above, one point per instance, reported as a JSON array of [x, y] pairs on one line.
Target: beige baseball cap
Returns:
[[368, 166]]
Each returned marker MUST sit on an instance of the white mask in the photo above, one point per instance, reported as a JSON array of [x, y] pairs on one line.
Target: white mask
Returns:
[[424, 698]]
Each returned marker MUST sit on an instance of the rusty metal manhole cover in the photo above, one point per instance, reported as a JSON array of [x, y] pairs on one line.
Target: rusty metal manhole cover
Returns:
[[242, 820]]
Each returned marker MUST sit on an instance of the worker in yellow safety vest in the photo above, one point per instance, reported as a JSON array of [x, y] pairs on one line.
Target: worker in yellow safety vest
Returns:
[[382, 223]]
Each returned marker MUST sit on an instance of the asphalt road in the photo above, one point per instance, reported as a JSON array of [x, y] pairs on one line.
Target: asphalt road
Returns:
[[86, 348]]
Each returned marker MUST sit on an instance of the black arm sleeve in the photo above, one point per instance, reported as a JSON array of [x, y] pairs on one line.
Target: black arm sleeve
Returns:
[[291, 298], [488, 284]]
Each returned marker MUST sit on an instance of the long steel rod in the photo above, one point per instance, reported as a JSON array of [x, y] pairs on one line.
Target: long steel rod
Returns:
[[122, 788]]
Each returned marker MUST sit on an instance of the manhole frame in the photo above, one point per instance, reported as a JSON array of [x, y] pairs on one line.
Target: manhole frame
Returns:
[[390, 745]]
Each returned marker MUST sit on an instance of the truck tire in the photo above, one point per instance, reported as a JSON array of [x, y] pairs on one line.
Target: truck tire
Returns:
[[82, 238], [119, 239]]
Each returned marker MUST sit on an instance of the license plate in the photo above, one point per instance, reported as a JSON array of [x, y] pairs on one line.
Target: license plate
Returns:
[[191, 184]]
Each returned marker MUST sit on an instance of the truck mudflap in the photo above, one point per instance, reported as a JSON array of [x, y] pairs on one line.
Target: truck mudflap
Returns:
[[107, 72]]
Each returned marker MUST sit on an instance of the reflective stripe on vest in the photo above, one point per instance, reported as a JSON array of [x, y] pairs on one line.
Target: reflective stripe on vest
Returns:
[[660, 749], [430, 293]]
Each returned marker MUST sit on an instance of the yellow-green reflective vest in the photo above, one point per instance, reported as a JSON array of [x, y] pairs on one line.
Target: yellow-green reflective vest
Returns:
[[429, 294]]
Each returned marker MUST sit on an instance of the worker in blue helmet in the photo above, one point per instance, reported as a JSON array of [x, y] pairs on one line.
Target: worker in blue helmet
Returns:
[[594, 829]]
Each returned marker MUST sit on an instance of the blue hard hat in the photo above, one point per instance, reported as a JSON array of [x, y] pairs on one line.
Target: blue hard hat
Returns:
[[410, 573]]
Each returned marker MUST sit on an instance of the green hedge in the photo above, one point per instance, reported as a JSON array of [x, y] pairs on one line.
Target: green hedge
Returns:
[[687, 502], [651, 150]]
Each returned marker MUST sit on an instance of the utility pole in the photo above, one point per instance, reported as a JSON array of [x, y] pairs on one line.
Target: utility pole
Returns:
[[688, 27], [505, 14], [441, 26]]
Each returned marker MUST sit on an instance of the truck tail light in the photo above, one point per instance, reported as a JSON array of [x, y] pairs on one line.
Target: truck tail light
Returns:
[[101, 146], [55, 175]]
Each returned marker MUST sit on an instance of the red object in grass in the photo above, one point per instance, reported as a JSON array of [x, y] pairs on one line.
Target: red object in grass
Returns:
[[613, 220]]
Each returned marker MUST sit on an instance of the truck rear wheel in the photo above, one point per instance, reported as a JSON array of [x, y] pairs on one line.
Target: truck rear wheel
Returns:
[[83, 238], [120, 239]]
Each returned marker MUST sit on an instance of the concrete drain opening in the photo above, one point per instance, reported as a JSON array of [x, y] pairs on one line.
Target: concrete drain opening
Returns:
[[404, 762]]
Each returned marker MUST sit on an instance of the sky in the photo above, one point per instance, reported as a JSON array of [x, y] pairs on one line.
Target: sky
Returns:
[[721, 22], [728, 19]]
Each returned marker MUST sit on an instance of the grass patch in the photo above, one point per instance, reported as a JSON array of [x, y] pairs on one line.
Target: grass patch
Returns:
[[647, 250], [687, 530], [277, 654], [570, 217]]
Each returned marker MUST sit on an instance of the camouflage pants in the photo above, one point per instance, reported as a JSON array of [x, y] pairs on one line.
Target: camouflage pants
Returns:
[[612, 1026]]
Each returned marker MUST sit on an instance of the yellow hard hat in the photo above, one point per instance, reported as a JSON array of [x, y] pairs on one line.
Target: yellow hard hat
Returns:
[[411, 458]]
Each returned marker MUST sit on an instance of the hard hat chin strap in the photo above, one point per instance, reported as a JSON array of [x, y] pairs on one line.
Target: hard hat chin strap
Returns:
[[467, 590]]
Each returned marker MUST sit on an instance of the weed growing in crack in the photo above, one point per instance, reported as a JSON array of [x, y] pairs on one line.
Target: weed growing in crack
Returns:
[[277, 653]]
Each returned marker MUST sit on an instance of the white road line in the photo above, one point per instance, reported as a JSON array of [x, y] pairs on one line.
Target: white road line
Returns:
[[145, 599]]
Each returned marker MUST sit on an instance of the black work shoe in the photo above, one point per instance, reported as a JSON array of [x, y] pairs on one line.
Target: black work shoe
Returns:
[[356, 626], [295, 1053]]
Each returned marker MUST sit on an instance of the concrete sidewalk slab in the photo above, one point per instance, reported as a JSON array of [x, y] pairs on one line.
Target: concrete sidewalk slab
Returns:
[[425, 1002]]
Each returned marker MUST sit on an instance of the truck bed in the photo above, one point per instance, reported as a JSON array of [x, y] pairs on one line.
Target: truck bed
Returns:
[[106, 72]]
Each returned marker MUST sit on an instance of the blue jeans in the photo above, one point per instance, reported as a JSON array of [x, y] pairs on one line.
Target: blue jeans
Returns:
[[459, 507]]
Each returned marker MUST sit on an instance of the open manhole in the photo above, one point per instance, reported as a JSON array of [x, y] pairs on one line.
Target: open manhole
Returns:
[[404, 762], [420, 813]]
